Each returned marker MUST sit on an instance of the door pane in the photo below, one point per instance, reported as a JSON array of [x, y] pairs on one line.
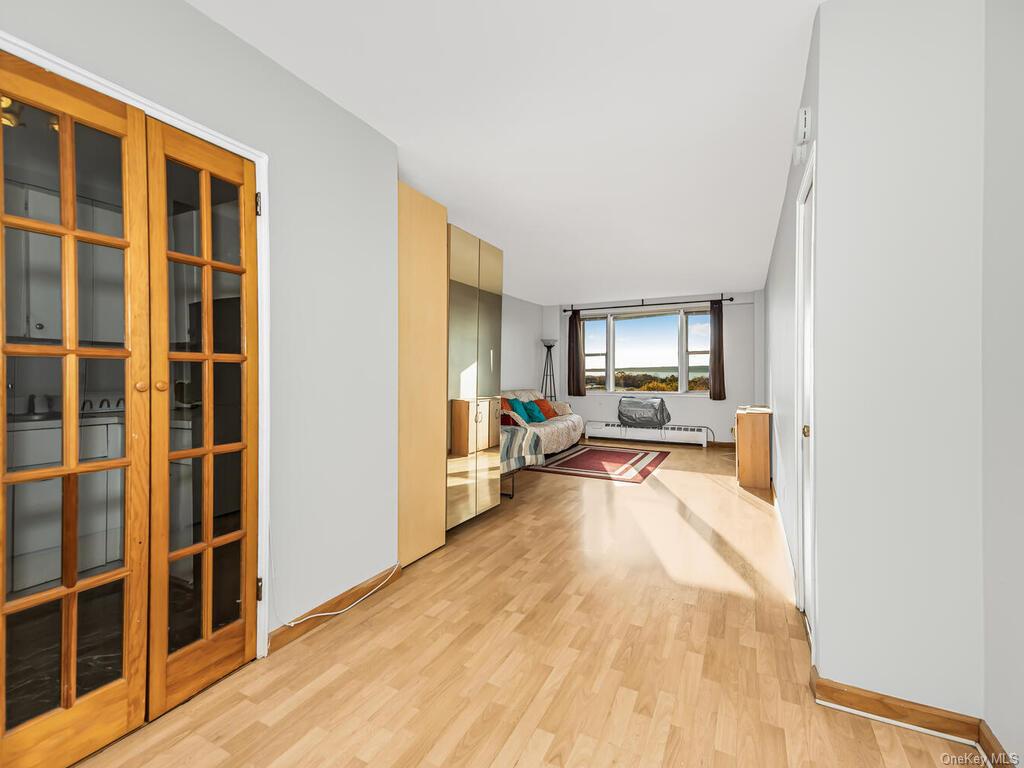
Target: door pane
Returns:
[[100, 522], [100, 636], [183, 225], [184, 307], [31, 163], [227, 403], [186, 406], [34, 405], [100, 198], [227, 582], [185, 602], [227, 240], [32, 287], [227, 312], [33, 662], [33, 546], [100, 296], [186, 502], [227, 493], [101, 404]]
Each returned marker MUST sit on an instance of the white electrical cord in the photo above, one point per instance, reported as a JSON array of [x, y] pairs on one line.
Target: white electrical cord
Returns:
[[338, 613]]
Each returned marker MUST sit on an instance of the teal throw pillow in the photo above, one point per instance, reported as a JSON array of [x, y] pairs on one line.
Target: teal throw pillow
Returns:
[[534, 413], [519, 409]]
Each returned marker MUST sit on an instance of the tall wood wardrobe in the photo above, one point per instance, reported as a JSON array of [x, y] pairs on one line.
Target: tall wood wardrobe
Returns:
[[449, 371]]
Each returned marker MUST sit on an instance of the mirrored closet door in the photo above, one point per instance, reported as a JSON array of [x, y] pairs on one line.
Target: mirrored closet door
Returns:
[[474, 376]]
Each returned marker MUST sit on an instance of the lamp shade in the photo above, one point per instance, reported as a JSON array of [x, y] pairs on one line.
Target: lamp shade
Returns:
[[549, 342]]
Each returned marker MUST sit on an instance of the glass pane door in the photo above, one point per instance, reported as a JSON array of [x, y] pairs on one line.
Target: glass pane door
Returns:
[[75, 450], [203, 282]]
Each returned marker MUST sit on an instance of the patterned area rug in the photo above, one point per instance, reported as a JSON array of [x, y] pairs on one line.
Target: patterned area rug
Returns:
[[624, 465]]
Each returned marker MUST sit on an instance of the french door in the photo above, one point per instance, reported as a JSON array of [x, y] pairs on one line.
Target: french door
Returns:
[[128, 385], [203, 291], [75, 370]]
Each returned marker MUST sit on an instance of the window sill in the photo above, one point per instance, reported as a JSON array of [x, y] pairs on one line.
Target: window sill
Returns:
[[624, 393]]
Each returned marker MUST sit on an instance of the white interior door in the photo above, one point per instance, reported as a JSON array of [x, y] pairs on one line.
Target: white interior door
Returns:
[[805, 395]]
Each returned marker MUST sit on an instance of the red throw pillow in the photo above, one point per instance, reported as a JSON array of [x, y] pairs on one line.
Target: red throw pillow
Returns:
[[507, 420], [546, 408], [504, 404]]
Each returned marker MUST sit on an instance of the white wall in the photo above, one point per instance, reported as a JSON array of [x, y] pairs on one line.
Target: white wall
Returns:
[[333, 250], [780, 328], [742, 321], [522, 355], [898, 330], [1003, 372]]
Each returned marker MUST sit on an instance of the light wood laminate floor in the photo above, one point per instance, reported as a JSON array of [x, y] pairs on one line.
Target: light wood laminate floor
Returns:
[[585, 623]]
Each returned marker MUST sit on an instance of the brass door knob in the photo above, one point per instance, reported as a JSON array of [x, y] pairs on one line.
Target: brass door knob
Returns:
[[141, 386], [807, 430], [161, 386]]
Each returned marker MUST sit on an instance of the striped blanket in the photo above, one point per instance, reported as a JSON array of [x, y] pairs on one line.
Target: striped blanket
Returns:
[[519, 448]]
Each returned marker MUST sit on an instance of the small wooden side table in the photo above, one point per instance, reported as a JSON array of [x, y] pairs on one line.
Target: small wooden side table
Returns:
[[753, 447]]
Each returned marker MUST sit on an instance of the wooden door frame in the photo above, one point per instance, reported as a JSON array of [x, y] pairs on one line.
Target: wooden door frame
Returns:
[[59, 66], [806, 549]]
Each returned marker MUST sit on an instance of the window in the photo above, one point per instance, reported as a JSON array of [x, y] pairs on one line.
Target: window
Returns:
[[646, 355], [698, 352], [664, 352], [595, 350]]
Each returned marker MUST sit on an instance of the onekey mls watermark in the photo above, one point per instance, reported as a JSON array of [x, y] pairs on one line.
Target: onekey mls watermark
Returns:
[[1005, 759]]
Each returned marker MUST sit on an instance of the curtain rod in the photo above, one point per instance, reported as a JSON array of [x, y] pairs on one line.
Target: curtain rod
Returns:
[[643, 304]]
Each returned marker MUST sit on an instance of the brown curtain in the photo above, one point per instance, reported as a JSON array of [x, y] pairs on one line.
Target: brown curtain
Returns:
[[576, 366], [717, 353]]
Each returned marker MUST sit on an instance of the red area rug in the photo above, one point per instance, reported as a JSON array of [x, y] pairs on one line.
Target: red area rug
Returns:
[[624, 465]]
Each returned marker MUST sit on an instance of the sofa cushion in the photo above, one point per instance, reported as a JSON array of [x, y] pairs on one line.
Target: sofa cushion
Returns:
[[546, 409], [533, 412], [518, 408], [562, 409], [511, 418]]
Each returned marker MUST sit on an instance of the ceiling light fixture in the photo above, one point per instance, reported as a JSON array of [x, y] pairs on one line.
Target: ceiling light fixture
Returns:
[[10, 117]]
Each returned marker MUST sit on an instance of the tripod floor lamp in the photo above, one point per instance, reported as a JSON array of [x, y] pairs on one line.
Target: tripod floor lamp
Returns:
[[547, 379]]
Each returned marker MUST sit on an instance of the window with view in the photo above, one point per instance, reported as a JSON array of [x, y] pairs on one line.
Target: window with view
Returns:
[[595, 350], [698, 351], [667, 352], [646, 357]]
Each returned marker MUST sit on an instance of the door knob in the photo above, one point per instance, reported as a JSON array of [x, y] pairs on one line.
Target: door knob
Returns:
[[161, 386], [141, 386], [807, 430]]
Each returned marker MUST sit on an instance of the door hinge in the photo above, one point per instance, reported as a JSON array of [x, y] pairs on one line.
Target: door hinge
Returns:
[[259, 203], [259, 589]]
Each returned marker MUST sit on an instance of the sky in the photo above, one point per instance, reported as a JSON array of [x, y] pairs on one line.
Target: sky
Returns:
[[648, 341]]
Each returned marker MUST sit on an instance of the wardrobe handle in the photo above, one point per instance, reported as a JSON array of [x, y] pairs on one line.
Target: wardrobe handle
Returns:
[[141, 386], [161, 386]]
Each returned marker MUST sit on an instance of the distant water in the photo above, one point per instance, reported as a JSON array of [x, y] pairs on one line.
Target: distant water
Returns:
[[665, 372]]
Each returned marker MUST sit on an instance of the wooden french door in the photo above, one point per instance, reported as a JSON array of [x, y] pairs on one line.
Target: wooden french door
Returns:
[[129, 397], [75, 457], [203, 296]]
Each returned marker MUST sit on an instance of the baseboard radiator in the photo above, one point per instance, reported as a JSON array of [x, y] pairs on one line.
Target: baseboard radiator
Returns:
[[670, 433]]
